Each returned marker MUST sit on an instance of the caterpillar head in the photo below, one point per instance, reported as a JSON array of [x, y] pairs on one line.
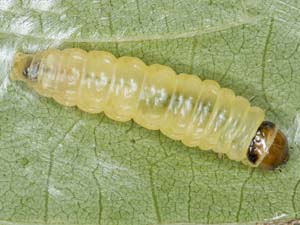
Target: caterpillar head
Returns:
[[269, 147], [24, 69]]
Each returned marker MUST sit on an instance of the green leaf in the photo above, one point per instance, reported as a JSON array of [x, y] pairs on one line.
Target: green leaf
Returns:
[[59, 165]]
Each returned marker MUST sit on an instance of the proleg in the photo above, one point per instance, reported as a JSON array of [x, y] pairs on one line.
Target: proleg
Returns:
[[183, 107]]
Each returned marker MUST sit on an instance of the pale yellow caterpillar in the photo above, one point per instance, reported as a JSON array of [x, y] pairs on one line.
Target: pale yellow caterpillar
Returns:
[[183, 107]]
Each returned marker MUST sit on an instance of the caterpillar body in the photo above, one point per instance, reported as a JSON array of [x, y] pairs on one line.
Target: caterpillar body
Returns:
[[183, 107]]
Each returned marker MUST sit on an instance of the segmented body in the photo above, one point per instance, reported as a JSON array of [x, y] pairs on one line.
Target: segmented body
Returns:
[[183, 107]]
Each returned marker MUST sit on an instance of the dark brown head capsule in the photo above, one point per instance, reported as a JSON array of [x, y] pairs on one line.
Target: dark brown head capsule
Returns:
[[269, 147]]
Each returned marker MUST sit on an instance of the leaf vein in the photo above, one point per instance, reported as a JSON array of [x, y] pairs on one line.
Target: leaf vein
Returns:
[[294, 198], [154, 197], [242, 195], [49, 172]]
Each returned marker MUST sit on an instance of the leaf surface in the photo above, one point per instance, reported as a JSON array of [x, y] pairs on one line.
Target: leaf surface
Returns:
[[59, 165]]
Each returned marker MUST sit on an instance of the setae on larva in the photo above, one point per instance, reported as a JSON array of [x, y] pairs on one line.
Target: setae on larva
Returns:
[[183, 107]]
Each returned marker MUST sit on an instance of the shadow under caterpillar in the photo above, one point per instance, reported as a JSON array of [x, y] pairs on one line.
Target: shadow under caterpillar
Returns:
[[183, 107]]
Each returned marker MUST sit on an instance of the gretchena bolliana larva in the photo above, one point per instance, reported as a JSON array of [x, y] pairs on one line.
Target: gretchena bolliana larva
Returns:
[[183, 107]]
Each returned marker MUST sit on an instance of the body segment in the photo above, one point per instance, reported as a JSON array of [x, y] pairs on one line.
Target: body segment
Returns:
[[199, 113]]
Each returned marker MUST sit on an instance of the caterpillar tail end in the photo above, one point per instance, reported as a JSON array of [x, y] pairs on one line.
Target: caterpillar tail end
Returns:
[[269, 148], [20, 66]]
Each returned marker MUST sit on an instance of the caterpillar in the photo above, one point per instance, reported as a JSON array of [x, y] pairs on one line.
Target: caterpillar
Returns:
[[183, 107]]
